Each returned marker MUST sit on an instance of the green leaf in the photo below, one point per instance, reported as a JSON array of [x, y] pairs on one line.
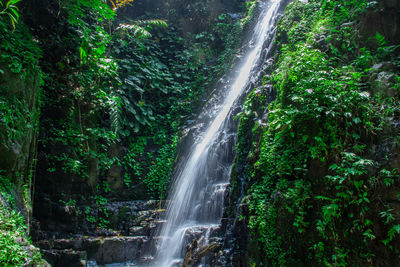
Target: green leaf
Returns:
[[333, 167], [14, 10]]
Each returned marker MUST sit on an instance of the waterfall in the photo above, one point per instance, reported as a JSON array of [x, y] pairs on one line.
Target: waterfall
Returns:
[[197, 196]]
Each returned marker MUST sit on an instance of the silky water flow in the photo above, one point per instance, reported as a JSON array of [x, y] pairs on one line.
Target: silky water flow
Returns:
[[197, 195]]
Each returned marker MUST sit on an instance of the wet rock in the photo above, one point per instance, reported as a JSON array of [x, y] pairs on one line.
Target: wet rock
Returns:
[[105, 232], [75, 244], [102, 250], [118, 249], [138, 219], [383, 78], [137, 231], [383, 18], [45, 206], [65, 258], [384, 66], [44, 244], [195, 233], [196, 251], [60, 244]]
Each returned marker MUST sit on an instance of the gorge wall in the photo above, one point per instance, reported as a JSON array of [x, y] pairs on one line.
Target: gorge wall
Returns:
[[318, 166], [115, 90], [110, 125], [96, 105]]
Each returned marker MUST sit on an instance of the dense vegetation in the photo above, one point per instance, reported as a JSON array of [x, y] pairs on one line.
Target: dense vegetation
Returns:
[[15, 244], [94, 95], [117, 91], [322, 170], [20, 81]]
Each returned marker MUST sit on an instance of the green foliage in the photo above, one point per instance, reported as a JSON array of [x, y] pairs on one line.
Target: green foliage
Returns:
[[15, 246], [103, 216], [117, 93], [20, 53], [140, 28], [97, 214], [15, 114], [20, 82], [318, 192], [11, 10], [158, 177], [251, 8]]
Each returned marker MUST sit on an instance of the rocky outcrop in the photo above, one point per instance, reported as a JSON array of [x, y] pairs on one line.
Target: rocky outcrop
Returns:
[[384, 19], [102, 250], [196, 252], [132, 225], [122, 217], [19, 94]]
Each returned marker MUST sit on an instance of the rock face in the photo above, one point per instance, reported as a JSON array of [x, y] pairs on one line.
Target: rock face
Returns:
[[133, 233], [103, 250], [132, 223], [385, 22], [54, 188], [381, 78], [65, 258], [20, 93], [195, 253], [124, 217], [17, 150]]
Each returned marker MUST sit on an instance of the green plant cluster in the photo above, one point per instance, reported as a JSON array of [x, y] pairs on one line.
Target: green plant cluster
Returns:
[[10, 9], [323, 192], [20, 81], [164, 78], [84, 84], [251, 8], [117, 92], [15, 246], [19, 66]]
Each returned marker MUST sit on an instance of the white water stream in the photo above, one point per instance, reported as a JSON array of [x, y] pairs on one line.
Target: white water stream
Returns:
[[197, 197]]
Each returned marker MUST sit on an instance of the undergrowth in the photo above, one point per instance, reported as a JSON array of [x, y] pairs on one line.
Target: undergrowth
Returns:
[[15, 246]]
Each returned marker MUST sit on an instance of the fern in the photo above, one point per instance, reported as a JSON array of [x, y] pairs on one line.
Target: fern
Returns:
[[140, 28], [137, 30], [152, 22], [115, 115]]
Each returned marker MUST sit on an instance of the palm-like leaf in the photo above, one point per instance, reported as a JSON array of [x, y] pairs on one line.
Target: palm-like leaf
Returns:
[[152, 22], [115, 114], [11, 10]]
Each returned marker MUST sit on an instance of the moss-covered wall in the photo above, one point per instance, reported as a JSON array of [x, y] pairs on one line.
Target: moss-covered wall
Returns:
[[322, 170], [20, 89], [20, 81], [114, 103]]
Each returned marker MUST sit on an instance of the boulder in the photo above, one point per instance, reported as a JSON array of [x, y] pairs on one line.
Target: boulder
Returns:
[[65, 258]]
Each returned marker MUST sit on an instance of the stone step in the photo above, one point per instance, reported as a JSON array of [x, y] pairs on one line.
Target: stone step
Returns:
[[103, 250], [65, 257]]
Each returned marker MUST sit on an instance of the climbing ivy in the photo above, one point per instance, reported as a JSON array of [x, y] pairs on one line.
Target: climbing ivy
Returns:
[[319, 185]]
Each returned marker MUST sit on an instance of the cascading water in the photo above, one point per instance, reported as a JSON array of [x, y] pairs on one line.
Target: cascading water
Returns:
[[196, 201]]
